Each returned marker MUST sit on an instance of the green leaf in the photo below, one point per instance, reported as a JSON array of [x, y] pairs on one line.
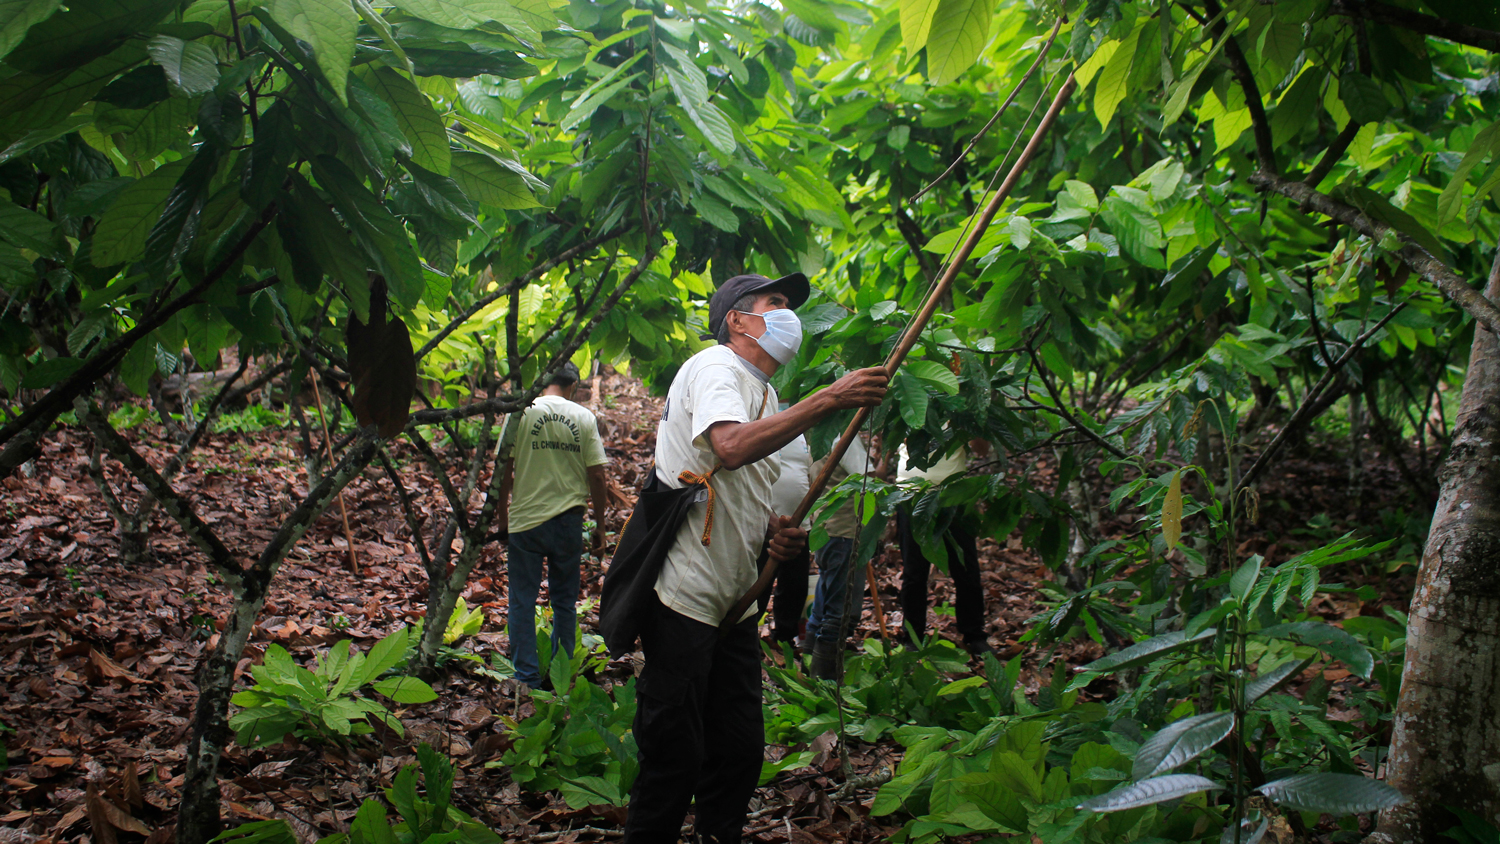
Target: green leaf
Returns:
[[39, 103], [415, 117], [1270, 680], [1114, 78], [1363, 97], [17, 16], [1148, 650], [405, 690], [487, 182], [1335, 794], [530, 18], [589, 101], [329, 27], [912, 397], [25, 228], [87, 30], [375, 228], [916, 23], [1244, 579], [370, 825], [1147, 792], [1137, 230], [691, 88], [1083, 194], [958, 33], [318, 243], [1487, 142], [935, 374], [1181, 742], [190, 66], [1329, 639], [1297, 107], [50, 372], [122, 231], [716, 213]]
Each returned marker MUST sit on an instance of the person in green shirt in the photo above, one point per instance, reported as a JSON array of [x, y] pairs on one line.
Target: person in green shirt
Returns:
[[556, 462]]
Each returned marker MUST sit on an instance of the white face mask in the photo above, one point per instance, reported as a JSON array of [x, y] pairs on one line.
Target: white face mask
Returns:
[[783, 335]]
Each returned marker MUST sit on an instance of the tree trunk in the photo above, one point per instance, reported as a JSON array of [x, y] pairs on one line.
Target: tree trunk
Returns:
[[1445, 750]]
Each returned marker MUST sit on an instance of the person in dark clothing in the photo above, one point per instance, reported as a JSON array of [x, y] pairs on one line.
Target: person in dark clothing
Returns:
[[963, 567]]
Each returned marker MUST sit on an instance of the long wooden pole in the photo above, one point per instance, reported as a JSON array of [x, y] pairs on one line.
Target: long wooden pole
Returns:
[[910, 338]]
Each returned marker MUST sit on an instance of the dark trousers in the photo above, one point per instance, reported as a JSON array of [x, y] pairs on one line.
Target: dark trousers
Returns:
[[964, 571], [698, 729], [789, 596]]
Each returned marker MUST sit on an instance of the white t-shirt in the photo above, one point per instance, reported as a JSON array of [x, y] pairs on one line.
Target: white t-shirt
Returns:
[[554, 441], [792, 486], [856, 461], [940, 471], [703, 582]]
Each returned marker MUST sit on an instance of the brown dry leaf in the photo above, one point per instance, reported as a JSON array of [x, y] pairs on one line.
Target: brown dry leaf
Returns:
[[73, 816], [383, 366], [132, 786], [103, 831], [111, 669], [1171, 513]]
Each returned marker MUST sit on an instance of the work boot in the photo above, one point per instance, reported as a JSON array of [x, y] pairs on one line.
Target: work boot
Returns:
[[825, 660], [978, 646]]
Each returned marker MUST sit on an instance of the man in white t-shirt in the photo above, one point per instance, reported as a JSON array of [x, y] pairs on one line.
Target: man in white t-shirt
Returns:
[[556, 462], [698, 712]]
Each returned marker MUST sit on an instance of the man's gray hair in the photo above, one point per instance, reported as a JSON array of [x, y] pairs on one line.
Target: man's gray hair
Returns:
[[744, 303]]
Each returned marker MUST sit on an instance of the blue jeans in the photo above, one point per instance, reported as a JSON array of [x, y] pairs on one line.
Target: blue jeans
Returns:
[[560, 541], [833, 584]]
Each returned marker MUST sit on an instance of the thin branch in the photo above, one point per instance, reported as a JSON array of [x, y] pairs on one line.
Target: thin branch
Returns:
[[1041, 371], [1031, 71], [179, 508], [457, 504], [517, 283], [1265, 149], [1312, 315], [406, 508], [1332, 155], [1304, 411]]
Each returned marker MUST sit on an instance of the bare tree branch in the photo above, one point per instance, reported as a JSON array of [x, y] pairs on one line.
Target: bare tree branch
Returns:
[[1265, 150]]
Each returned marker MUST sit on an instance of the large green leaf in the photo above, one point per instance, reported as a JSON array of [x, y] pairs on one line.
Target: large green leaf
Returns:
[[87, 30], [1137, 230], [1148, 650], [17, 16], [487, 182], [1329, 639], [415, 117], [122, 231], [50, 372], [935, 374], [1269, 680], [25, 228], [1363, 97], [959, 31], [1147, 792], [317, 242], [527, 18], [191, 66], [38, 103], [1181, 742], [1114, 78], [329, 27], [375, 228], [691, 87], [916, 22], [1335, 794], [912, 397], [405, 690], [1486, 143]]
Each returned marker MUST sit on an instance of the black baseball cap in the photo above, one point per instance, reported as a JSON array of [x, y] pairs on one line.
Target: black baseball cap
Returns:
[[795, 287]]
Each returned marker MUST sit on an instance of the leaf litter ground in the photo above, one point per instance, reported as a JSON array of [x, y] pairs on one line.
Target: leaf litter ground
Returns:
[[97, 658]]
